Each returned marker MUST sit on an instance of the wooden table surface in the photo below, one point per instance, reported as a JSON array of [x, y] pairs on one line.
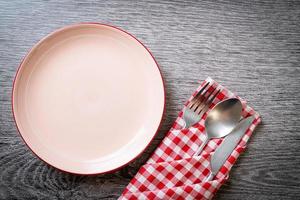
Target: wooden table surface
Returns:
[[253, 48]]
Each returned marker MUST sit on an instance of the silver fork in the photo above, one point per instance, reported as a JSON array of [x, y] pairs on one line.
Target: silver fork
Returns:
[[199, 105]]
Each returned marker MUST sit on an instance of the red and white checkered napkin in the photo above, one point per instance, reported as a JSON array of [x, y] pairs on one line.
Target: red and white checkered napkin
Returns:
[[173, 173]]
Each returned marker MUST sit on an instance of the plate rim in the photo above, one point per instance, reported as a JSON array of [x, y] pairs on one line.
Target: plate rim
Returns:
[[51, 34]]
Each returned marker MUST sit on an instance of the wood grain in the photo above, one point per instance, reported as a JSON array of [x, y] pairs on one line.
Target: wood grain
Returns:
[[251, 47]]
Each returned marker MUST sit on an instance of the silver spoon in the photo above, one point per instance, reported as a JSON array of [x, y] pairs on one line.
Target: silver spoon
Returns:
[[221, 120]]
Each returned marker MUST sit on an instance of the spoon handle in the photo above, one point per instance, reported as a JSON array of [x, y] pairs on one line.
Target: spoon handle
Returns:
[[210, 177], [202, 146]]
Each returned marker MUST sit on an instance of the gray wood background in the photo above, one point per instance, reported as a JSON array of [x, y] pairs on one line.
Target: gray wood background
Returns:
[[252, 47]]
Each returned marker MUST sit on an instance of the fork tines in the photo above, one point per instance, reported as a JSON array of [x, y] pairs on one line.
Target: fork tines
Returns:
[[202, 100]]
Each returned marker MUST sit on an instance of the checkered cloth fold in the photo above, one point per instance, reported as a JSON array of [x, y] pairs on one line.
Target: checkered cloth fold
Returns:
[[172, 172]]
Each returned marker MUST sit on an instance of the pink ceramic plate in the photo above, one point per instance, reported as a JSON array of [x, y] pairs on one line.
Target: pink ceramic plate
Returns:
[[88, 98]]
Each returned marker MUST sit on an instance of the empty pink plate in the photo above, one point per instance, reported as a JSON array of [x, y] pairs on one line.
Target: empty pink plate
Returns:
[[88, 98]]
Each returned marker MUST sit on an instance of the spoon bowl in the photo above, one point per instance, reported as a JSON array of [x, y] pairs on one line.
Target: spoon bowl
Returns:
[[221, 120]]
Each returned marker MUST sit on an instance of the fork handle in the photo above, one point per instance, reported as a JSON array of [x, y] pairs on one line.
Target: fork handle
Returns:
[[201, 146]]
